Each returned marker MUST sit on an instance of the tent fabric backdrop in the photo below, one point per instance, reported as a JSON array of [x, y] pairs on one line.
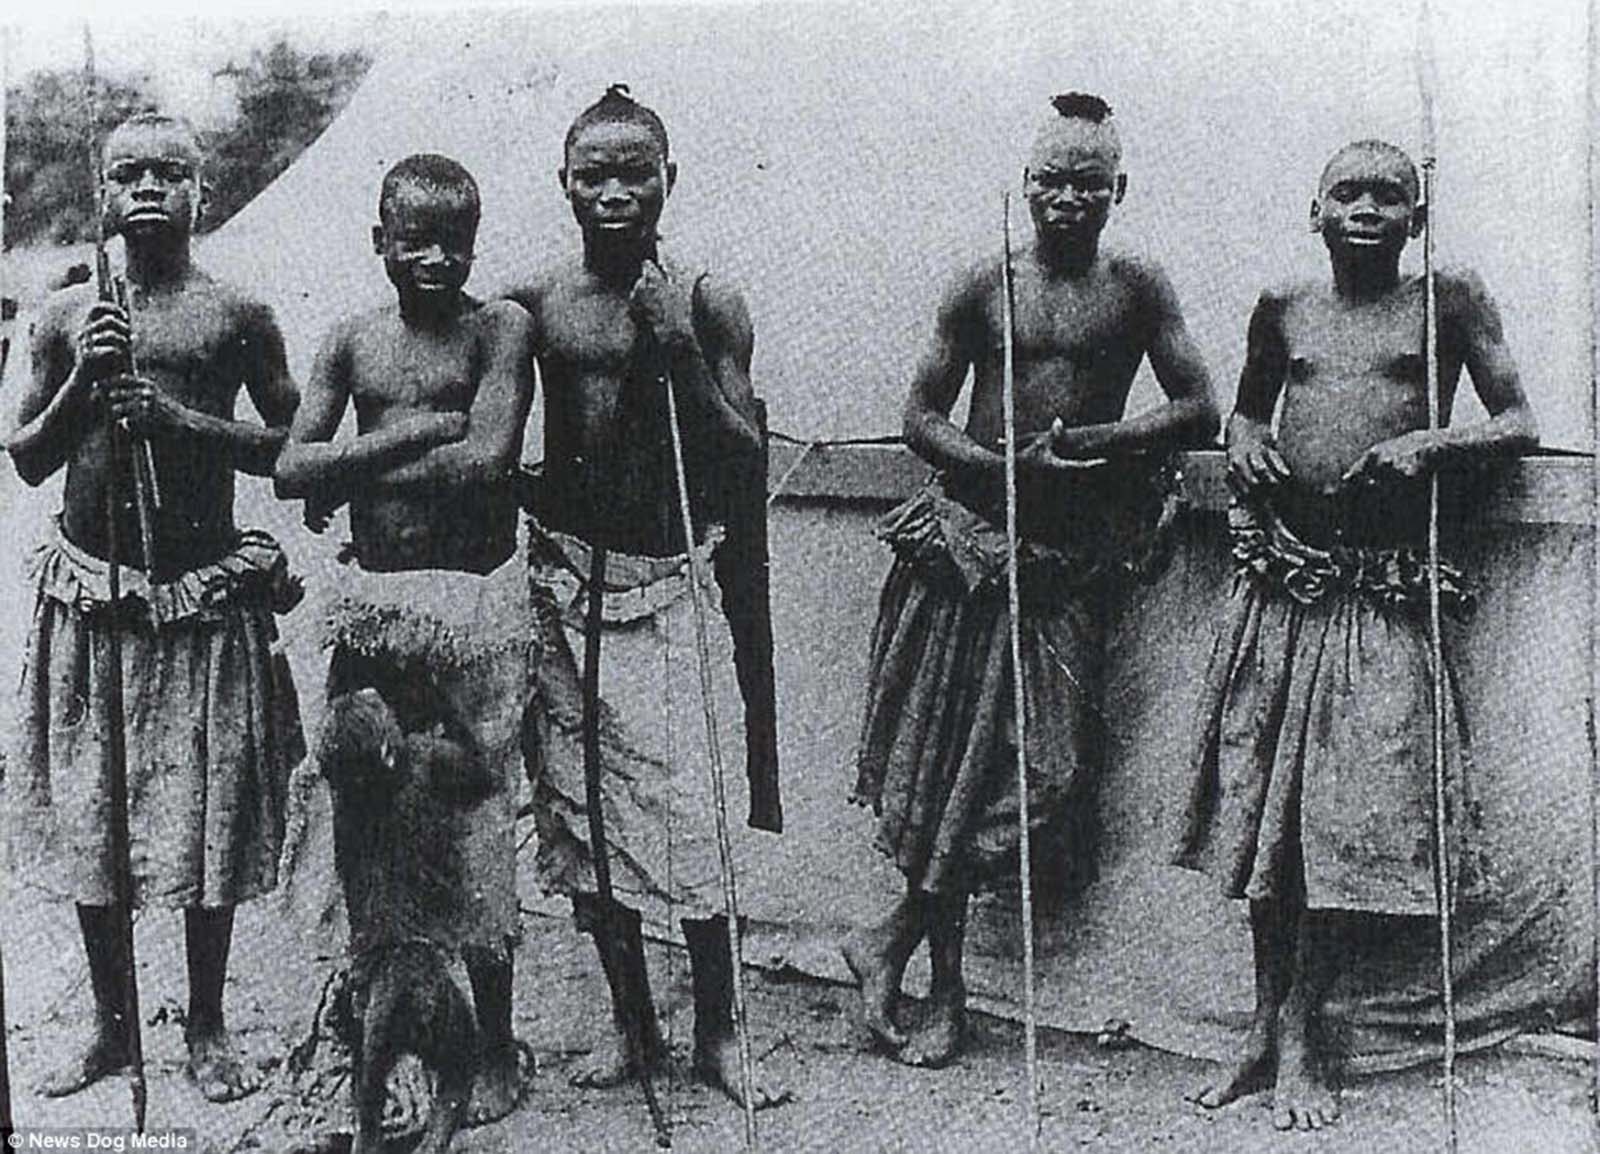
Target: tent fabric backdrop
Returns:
[[837, 162]]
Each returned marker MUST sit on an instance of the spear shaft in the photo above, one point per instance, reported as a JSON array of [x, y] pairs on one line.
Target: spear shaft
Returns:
[[116, 751], [1426, 84]]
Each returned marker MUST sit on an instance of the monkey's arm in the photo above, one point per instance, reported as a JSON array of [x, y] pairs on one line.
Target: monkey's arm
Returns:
[[450, 769]]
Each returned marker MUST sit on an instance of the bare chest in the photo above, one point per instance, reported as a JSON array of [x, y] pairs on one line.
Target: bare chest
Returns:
[[193, 345], [1096, 322], [1336, 347], [400, 370]]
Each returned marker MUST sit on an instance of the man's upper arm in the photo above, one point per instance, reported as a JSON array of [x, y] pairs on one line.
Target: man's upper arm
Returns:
[[267, 378], [327, 392], [958, 335], [50, 357], [1266, 360], [727, 340], [499, 413], [1483, 346], [1174, 357]]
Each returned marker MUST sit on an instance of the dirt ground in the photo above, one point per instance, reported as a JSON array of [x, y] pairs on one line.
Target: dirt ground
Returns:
[[846, 1099]]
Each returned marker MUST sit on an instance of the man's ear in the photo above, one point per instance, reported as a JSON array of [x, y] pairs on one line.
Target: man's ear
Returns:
[[1121, 189], [1316, 214], [1419, 220], [203, 202], [672, 175], [377, 239], [561, 177]]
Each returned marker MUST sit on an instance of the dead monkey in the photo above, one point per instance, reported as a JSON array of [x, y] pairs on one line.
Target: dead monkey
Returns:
[[399, 869]]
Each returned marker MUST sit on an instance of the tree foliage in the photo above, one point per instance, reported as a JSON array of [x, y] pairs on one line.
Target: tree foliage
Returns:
[[284, 99]]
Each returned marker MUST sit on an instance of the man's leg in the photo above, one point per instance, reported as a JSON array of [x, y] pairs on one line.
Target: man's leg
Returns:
[[498, 1084], [1272, 936], [877, 958], [1304, 1099], [620, 942], [213, 1060], [939, 1039], [716, 1043], [107, 1050]]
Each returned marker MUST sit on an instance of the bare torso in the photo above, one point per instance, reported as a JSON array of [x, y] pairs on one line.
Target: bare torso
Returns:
[[608, 468], [396, 371], [196, 342]]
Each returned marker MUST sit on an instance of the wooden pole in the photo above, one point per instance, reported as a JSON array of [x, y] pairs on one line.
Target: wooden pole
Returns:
[[730, 896], [1441, 815], [1030, 1026], [116, 751]]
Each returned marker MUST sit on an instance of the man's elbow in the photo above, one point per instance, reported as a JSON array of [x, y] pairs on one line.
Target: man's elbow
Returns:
[[288, 478], [1205, 422], [33, 467]]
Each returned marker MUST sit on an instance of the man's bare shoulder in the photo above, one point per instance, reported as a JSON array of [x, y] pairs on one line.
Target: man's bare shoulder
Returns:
[[562, 276], [971, 284], [61, 309], [239, 304], [1462, 293], [1279, 295], [380, 320], [506, 319]]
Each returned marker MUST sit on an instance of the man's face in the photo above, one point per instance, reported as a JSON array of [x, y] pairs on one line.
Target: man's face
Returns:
[[426, 240], [152, 181], [617, 182], [1367, 202], [1072, 179]]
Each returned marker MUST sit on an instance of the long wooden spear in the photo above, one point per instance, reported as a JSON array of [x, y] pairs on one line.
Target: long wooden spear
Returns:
[[1426, 85], [116, 722], [1019, 705], [5, 1059], [730, 895]]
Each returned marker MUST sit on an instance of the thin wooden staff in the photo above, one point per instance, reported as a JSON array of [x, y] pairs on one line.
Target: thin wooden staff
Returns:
[[1426, 81], [116, 721], [730, 895], [5, 1059], [607, 934], [1594, 612], [1008, 395]]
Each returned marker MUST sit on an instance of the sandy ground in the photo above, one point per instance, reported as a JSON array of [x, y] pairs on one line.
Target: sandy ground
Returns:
[[847, 1099]]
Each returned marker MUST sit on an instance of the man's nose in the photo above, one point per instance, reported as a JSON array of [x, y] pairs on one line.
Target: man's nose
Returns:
[[147, 183], [613, 190]]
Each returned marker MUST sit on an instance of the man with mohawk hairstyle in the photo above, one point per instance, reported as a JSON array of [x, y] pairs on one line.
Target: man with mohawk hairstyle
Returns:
[[936, 758], [611, 326]]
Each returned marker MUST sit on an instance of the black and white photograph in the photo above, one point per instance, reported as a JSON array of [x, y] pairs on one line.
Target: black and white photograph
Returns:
[[799, 576]]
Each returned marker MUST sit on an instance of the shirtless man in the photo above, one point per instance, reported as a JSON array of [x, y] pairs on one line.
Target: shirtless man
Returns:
[[608, 327], [1331, 530], [212, 730], [432, 613], [935, 759]]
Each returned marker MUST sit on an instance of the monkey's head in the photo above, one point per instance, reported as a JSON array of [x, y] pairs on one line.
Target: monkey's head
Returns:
[[361, 743]]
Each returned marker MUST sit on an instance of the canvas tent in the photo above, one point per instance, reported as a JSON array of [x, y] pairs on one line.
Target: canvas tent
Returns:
[[835, 162]]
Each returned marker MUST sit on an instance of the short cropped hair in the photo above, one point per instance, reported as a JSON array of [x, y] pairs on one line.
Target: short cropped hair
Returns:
[[155, 118], [1384, 148], [1081, 106], [432, 173], [616, 106]]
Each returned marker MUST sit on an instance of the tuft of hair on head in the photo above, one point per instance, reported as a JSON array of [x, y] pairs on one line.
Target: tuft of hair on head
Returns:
[[434, 174], [617, 106], [1081, 106], [1382, 148]]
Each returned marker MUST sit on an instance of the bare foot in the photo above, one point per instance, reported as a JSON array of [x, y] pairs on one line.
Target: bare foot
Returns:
[[938, 1042], [217, 1069], [497, 1086], [606, 1066], [717, 1063], [1254, 1071], [1303, 1099], [102, 1055], [871, 971]]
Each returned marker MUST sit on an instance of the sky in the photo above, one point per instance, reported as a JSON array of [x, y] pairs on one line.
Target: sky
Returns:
[[842, 160]]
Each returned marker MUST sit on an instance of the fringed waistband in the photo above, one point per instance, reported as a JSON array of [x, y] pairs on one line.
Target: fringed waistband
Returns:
[[440, 617], [254, 571], [1266, 550]]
